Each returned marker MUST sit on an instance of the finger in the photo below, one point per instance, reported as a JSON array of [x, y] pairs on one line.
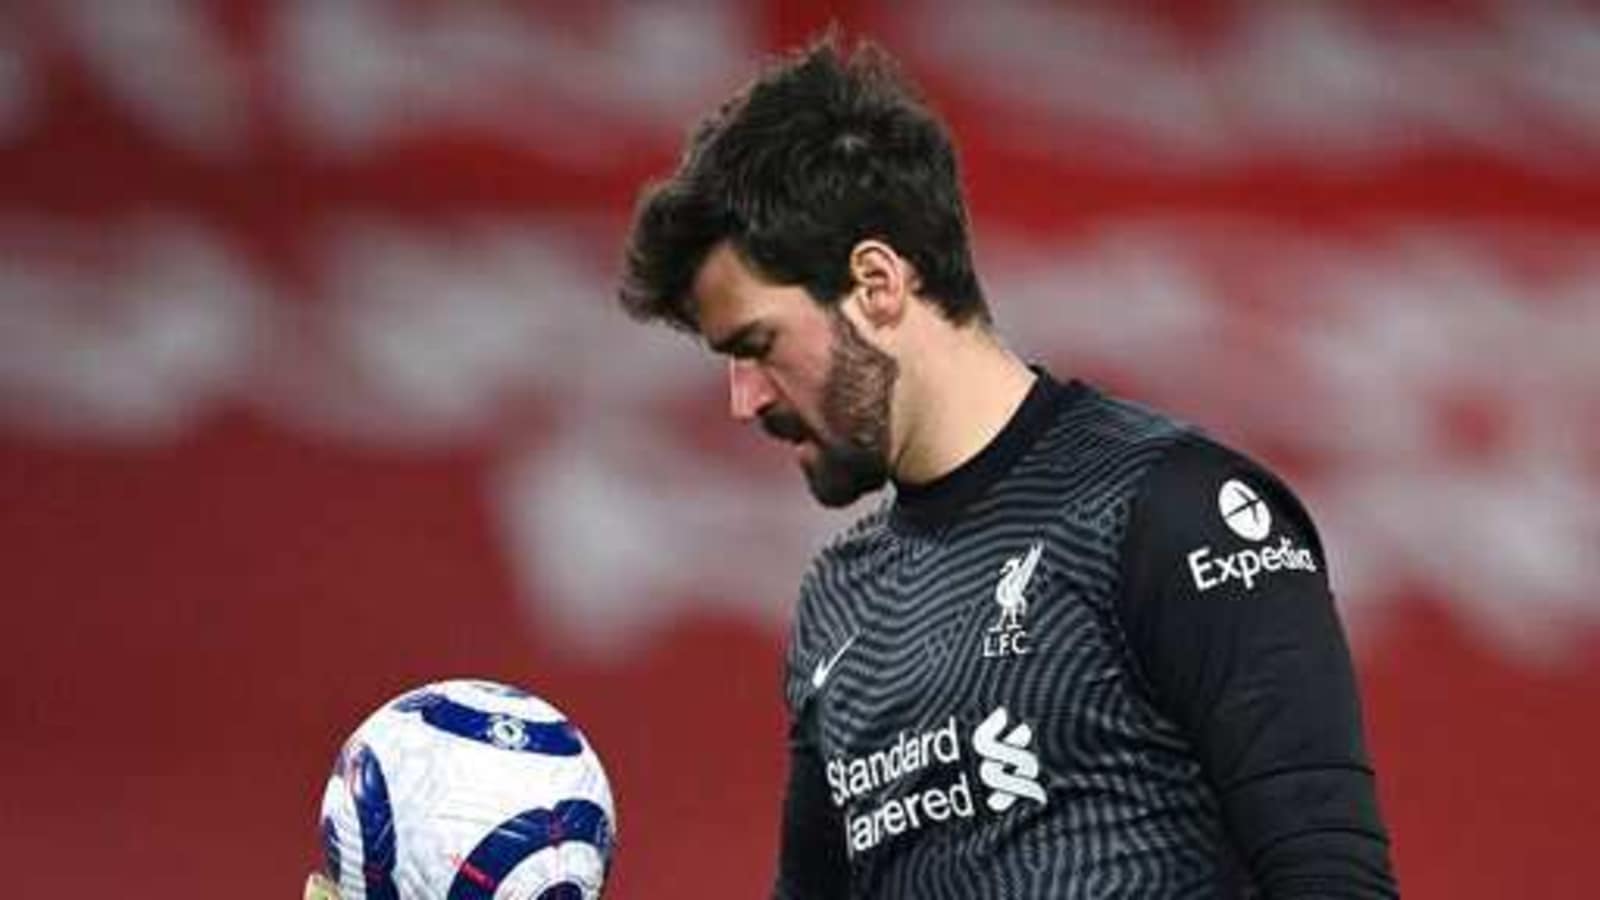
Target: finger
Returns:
[[318, 887]]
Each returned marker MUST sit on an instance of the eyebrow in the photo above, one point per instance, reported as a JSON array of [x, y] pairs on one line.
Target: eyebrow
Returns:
[[730, 345]]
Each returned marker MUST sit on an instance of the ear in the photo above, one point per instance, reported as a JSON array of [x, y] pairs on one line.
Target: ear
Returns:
[[883, 283]]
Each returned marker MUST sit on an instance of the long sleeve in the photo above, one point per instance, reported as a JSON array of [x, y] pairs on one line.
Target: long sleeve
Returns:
[[811, 856], [1231, 622]]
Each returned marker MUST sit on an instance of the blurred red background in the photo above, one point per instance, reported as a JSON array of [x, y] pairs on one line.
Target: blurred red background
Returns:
[[311, 388]]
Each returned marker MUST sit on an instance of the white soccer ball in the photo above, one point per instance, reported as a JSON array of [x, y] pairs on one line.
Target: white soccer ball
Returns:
[[468, 790]]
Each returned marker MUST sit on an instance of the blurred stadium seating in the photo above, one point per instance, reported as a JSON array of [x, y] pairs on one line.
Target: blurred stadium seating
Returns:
[[312, 386]]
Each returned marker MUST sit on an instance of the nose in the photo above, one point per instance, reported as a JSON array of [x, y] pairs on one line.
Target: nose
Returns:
[[750, 390]]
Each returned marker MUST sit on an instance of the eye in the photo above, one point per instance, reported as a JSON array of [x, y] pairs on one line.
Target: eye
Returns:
[[755, 348]]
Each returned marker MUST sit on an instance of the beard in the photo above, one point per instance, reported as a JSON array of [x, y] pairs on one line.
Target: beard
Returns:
[[853, 455]]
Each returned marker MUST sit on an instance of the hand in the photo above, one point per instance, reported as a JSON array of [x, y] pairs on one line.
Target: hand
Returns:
[[318, 887]]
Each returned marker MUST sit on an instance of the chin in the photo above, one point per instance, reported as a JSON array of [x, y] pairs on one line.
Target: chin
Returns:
[[838, 486]]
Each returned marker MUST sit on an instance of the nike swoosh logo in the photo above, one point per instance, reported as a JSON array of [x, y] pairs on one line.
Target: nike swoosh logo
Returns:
[[826, 666]]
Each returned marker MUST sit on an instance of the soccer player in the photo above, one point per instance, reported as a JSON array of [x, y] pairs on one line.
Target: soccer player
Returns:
[[1081, 650]]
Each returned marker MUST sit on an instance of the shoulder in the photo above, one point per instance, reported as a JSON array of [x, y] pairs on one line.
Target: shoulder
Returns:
[[1113, 439], [1116, 421], [1158, 488], [1098, 455], [1203, 489], [1210, 521], [1164, 465]]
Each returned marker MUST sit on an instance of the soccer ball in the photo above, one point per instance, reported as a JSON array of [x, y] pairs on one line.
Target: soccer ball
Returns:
[[468, 790]]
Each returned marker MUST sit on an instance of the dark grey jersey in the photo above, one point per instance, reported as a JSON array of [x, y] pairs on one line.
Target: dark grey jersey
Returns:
[[1098, 660]]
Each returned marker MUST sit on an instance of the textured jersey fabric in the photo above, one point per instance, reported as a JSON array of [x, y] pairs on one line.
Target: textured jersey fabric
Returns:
[[1099, 659]]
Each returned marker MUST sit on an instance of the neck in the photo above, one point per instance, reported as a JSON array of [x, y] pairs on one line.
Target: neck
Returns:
[[957, 399]]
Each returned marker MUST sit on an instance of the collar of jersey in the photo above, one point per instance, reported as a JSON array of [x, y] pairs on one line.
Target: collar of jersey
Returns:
[[919, 507]]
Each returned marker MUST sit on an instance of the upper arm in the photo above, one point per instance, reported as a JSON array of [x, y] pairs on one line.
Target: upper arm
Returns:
[[1232, 624]]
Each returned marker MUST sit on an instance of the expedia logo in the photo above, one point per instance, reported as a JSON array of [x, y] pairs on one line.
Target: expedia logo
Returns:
[[1243, 510], [1248, 516]]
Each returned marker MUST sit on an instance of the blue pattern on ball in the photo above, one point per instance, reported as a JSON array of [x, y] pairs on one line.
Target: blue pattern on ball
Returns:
[[546, 738], [370, 793], [523, 835], [331, 857]]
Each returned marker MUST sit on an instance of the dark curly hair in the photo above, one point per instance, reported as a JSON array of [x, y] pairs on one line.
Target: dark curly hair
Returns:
[[821, 151]]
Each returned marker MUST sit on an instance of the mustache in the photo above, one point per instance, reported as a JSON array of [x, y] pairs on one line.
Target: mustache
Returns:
[[785, 426]]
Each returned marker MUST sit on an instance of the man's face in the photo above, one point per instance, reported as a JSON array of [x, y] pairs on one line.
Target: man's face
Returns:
[[804, 371]]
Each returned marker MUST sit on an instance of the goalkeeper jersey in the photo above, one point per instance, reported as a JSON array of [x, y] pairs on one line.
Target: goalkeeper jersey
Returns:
[[1099, 659]]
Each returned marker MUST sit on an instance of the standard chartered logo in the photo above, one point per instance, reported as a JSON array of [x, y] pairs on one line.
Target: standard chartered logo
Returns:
[[1007, 767]]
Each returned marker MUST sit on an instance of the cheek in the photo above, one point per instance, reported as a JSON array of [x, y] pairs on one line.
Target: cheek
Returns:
[[799, 395], [801, 381]]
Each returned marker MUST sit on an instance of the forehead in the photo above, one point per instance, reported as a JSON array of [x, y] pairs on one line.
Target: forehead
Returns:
[[729, 295]]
